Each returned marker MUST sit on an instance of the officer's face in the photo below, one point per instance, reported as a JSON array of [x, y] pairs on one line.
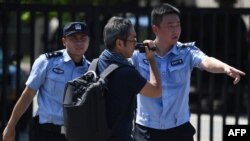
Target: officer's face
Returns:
[[170, 29], [76, 44]]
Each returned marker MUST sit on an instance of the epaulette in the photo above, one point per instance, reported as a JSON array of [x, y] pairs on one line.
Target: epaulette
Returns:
[[186, 44], [53, 54]]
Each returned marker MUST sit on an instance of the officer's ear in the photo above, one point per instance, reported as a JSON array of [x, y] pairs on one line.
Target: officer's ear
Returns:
[[155, 29], [63, 41]]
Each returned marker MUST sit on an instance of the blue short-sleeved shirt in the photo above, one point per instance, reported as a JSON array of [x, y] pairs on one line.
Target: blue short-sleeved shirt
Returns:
[[48, 77], [175, 67]]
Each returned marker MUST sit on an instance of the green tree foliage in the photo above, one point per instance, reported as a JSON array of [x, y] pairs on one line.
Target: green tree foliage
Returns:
[[77, 2]]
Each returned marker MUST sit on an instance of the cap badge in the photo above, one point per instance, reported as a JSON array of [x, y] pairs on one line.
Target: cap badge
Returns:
[[78, 27]]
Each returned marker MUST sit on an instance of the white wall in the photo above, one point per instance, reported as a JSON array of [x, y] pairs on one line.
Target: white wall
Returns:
[[212, 3]]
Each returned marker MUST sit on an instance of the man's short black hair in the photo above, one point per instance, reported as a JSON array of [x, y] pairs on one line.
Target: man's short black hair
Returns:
[[161, 10]]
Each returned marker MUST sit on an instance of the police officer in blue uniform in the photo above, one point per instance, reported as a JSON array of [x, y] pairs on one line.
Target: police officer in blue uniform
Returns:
[[47, 80], [167, 118]]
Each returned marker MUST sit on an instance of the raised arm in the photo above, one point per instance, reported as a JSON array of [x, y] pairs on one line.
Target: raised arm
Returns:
[[153, 87]]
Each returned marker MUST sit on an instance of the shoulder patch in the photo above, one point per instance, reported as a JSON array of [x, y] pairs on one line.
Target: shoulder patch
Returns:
[[53, 54]]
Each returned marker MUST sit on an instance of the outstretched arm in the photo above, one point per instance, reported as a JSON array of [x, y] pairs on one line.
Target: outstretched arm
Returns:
[[214, 65]]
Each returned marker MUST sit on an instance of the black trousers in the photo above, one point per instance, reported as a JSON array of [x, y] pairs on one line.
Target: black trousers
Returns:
[[45, 132], [183, 132]]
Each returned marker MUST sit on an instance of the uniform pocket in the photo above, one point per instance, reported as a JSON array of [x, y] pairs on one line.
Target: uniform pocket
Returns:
[[55, 83], [178, 73]]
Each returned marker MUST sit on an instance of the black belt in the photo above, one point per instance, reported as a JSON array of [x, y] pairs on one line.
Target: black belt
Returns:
[[50, 127]]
